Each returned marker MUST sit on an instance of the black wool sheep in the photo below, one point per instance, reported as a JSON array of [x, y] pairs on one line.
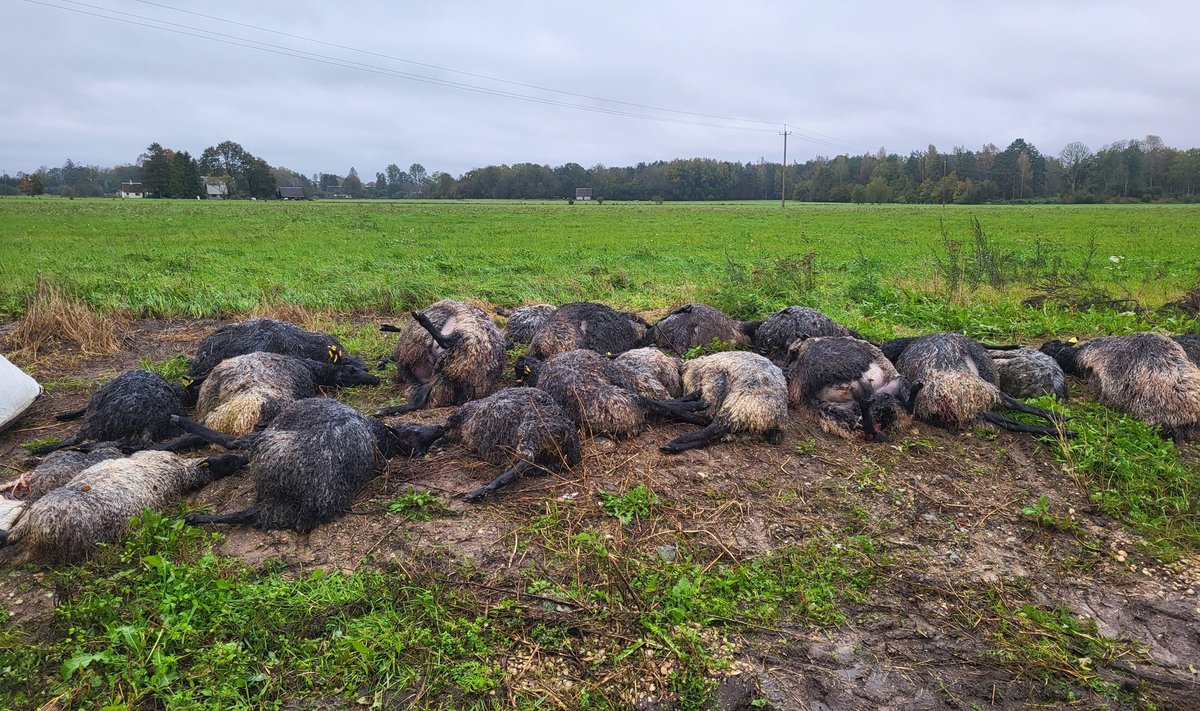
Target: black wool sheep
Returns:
[[1191, 345], [958, 384], [522, 429], [311, 461], [97, 504], [1144, 374], [448, 354], [775, 335], [268, 335], [134, 408], [603, 397], [745, 394], [523, 322], [587, 325], [848, 381], [693, 325]]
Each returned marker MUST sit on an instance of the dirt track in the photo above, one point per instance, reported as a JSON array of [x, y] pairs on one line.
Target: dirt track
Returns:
[[945, 506]]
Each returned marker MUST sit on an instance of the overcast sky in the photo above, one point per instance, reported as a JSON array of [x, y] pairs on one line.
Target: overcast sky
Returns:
[[845, 77]]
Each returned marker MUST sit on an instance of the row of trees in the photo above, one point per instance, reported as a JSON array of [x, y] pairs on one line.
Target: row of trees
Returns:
[[1143, 169]]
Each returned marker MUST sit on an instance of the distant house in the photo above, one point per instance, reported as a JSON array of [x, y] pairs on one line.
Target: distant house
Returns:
[[131, 189], [216, 191], [583, 193], [296, 193]]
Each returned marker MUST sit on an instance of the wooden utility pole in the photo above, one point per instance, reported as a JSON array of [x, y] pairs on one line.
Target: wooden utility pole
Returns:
[[783, 175]]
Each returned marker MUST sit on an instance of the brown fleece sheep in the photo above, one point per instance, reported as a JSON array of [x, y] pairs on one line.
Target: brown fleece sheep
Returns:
[[584, 324], [694, 325], [448, 354]]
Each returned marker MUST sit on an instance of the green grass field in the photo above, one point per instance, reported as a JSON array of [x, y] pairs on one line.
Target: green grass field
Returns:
[[876, 267]]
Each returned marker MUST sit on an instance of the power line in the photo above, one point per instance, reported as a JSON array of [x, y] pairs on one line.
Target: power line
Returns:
[[249, 43]]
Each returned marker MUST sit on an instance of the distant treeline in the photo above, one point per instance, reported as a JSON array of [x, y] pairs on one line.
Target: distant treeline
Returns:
[[1142, 169]]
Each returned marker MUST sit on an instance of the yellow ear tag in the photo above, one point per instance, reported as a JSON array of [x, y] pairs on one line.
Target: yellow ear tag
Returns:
[[187, 382], [1072, 340], [528, 370], [334, 353], [203, 463]]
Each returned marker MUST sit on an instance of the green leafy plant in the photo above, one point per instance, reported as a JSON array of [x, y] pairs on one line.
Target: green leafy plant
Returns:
[[417, 505], [633, 504]]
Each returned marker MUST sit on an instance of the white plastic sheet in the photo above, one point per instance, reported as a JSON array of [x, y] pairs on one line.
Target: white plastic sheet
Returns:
[[17, 392]]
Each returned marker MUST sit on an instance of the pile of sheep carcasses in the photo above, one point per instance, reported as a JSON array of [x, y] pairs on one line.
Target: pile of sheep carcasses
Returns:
[[588, 371]]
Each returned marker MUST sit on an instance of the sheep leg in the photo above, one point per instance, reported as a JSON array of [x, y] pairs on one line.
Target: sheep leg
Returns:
[[179, 444], [446, 342], [1014, 404], [389, 328], [1014, 426], [695, 440], [415, 440], [217, 438], [72, 415], [504, 479], [50, 448], [237, 517], [418, 401], [18, 483], [678, 409]]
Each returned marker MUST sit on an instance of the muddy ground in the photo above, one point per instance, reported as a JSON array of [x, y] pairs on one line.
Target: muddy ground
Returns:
[[946, 507]]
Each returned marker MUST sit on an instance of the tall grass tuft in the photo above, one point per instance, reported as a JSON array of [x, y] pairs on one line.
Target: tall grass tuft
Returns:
[[52, 316]]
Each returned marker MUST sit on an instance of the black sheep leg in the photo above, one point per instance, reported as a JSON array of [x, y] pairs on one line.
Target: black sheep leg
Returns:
[[1014, 426], [682, 409], [504, 479], [418, 401], [218, 438], [1014, 404], [695, 440]]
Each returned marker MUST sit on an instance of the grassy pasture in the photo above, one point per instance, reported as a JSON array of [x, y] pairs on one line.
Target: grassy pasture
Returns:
[[877, 267]]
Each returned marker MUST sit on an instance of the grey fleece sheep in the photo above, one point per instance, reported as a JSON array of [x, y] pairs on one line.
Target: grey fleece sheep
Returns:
[[522, 429], [584, 324], [602, 396], [97, 504], [745, 392], [311, 461], [56, 470], [848, 381], [1144, 374], [955, 383], [523, 322], [448, 354], [666, 369], [269, 335], [782, 328], [694, 325], [1025, 372], [246, 392], [135, 407]]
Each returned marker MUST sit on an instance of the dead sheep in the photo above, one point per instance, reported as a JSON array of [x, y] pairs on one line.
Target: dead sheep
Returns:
[[97, 504], [522, 429], [666, 369], [590, 326], [895, 347], [955, 383], [1144, 374], [603, 397], [523, 322], [1191, 345], [135, 408], [693, 325], [312, 461], [247, 391], [57, 469], [849, 382], [448, 354], [1026, 372], [268, 335], [745, 392], [782, 328]]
